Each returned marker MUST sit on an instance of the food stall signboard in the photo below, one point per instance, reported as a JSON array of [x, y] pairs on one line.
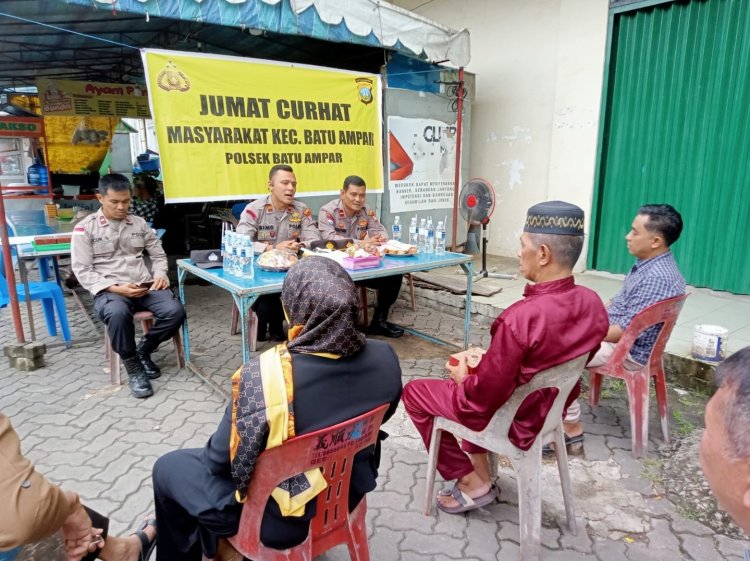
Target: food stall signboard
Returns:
[[223, 122], [76, 98], [21, 126]]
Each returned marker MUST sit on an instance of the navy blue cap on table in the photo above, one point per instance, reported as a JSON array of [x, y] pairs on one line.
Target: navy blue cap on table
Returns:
[[555, 217], [206, 258]]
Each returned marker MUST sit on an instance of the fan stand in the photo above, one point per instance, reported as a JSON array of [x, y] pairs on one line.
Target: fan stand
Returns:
[[484, 273]]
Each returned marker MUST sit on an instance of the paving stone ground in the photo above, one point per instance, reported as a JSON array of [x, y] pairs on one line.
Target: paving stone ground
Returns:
[[92, 437]]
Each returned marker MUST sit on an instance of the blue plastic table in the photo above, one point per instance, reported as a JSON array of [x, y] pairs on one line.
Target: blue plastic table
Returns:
[[245, 292]]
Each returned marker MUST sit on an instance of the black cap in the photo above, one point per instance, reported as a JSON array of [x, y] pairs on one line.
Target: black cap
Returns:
[[341, 243], [555, 217], [207, 258]]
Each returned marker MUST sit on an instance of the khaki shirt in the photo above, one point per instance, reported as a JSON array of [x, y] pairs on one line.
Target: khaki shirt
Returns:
[[101, 256], [335, 224], [263, 224], [31, 508]]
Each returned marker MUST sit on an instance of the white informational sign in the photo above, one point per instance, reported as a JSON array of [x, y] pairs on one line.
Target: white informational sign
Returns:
[[422, 159]]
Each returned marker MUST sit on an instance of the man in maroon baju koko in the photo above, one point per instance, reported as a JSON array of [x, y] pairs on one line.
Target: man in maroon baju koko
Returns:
[[554, 323]]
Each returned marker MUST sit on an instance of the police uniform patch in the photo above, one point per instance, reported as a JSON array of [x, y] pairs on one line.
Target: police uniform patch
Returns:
[[371, 212], [294, 233], [330, 245], [341, 226], [329, 218], [295, 217], [363, 223], [251, 214], [308, 212], [269, 208]]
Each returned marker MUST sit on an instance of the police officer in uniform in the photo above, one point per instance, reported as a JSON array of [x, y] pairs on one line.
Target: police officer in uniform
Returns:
[[281, 222], [107, 256], [350, 217]]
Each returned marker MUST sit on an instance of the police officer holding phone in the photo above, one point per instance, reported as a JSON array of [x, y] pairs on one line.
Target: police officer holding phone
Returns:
[[107, 256]]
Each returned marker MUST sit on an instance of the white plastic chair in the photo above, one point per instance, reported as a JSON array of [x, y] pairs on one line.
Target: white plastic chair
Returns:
[[526, 464]]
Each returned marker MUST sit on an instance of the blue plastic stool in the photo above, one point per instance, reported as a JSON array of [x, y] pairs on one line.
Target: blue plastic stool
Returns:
[[51, 295]]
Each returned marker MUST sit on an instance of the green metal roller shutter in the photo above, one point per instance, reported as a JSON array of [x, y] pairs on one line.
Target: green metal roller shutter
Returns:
[[676, 129]]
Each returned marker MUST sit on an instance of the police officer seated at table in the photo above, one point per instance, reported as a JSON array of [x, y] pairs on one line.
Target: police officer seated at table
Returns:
[[349, 217], [281, 222], [107, 257]]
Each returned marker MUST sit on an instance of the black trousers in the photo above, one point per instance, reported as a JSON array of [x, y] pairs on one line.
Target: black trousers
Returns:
[[269, 309], [117, 311], [195, 508], [388, 289]]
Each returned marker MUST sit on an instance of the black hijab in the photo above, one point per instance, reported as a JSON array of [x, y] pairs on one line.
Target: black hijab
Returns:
[[322, 305]]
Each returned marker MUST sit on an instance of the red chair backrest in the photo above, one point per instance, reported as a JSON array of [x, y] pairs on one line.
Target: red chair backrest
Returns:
[[332, 449], [665, 312]]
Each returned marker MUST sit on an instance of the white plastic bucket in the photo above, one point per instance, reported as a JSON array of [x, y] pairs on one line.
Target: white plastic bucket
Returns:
[[710, 343]]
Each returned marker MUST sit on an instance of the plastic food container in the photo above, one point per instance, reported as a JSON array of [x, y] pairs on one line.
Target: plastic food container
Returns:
[[356, 263]]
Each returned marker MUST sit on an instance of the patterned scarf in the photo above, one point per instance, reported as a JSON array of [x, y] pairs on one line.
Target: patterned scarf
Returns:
[[322, 304], [262, 418]]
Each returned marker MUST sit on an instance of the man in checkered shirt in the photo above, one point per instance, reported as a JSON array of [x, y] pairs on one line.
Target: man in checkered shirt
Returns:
[[654, 277]]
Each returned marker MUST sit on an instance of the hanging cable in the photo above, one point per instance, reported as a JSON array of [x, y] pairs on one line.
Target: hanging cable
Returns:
[[19, 18]]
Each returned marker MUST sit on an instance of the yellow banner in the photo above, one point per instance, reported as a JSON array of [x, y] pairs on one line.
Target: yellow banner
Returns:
[[73, 98], [223, 122]]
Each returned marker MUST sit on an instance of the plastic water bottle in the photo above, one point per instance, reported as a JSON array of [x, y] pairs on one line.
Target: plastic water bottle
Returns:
[[246, 267], [227, 261], [246, 263], [227, 241], [236, 266], [422, 234], [396, 229], [440, 239], [34, 174], [430, 248], [413, 237], [43, 175]]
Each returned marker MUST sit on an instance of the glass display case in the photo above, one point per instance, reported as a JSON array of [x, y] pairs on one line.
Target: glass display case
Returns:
[[13, 161]]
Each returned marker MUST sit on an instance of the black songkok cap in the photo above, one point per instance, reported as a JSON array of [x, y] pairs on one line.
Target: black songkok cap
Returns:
[[554, 217]]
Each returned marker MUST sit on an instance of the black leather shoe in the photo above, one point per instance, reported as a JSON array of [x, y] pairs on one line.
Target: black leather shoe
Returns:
[[262, 334], [385, 328], [143, 351], [277, 332], [138, 381]]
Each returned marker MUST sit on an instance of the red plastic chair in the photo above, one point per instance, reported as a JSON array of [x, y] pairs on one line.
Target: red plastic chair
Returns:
[[332, 449], [637, 381]]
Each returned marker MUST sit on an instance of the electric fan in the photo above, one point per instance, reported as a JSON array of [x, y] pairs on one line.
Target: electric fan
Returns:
[[477, 203]]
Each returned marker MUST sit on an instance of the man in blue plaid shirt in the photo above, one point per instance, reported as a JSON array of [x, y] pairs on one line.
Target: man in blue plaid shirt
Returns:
[[654, 277]]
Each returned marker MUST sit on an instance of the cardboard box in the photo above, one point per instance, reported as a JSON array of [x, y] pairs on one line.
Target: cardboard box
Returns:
[[473, 358]]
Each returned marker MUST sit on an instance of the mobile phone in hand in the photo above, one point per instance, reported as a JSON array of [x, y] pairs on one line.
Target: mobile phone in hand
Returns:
[[146, 284]]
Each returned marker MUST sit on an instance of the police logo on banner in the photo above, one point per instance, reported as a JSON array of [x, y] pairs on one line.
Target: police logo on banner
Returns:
[[364, 90], [172, 79]]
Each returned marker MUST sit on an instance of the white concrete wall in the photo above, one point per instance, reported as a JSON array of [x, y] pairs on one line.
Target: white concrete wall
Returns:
[[539, 67]]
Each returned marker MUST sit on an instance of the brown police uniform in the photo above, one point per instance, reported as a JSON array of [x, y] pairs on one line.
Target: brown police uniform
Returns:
[[260, 221], [333, 222], [31, 507], [108, 252]]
